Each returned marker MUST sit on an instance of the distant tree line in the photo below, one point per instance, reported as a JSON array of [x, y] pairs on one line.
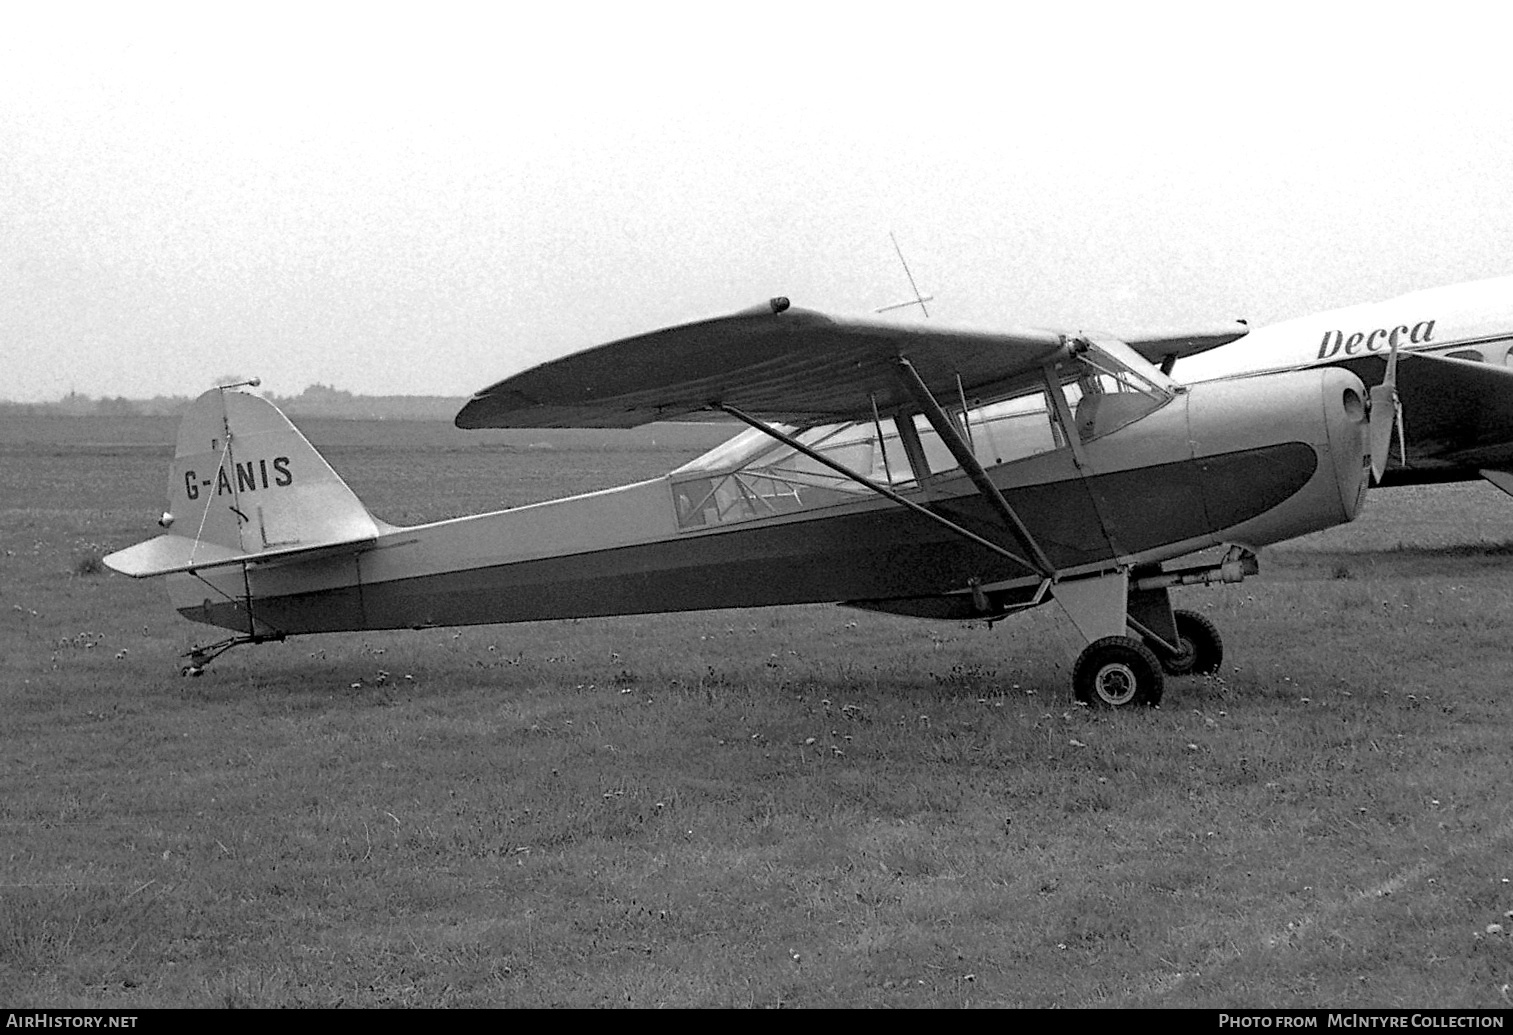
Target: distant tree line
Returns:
[[317, 400], [75, 404]]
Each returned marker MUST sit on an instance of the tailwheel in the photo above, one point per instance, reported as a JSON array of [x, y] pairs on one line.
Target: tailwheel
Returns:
[[1202, 649], [201, 656], [1117, 672]]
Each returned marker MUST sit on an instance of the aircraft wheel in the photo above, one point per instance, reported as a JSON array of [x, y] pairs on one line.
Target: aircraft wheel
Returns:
[[1117, 672], [1202, 647]]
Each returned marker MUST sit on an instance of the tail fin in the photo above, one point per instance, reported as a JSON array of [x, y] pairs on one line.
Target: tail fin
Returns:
[[246, 485]]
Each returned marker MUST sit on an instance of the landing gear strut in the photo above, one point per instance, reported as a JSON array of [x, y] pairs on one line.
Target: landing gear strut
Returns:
[[1135, 638], [1201, 648]]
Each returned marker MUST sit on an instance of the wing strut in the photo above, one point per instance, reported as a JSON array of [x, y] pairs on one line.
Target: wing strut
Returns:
[[883, 491], [968, 460]]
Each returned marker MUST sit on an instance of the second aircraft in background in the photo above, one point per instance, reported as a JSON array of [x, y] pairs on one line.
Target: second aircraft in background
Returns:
[[1455, 375]]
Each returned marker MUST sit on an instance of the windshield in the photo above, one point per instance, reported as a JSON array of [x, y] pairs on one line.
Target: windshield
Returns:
[[1109, 386]]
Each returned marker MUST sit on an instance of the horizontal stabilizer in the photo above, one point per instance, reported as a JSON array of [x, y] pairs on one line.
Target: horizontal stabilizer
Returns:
[[175, 553], [773, 361]]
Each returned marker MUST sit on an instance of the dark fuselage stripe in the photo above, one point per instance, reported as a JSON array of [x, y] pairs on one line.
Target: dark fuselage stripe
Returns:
[[876, 554]]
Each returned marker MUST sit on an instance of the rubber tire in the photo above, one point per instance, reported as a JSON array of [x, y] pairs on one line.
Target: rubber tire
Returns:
[[1202, 646], [1118, 672]]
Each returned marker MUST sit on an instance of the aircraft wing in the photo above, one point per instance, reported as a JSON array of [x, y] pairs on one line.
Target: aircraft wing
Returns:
[[1173, 344], [1456, 412], [773, 361]]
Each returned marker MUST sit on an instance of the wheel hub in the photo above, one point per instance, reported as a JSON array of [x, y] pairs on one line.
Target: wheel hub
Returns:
[[1116, 683]]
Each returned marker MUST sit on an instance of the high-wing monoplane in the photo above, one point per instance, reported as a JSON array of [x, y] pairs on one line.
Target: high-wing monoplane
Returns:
[[1455, 378], [903, 468]]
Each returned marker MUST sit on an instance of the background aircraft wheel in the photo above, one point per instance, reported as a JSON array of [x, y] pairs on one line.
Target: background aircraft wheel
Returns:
[[1202, 647], [1117, 672]]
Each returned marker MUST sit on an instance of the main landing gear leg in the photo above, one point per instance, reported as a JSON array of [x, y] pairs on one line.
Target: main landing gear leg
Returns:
[[1114, 670], [1185, 642], [1117, 669], [1200, 648]]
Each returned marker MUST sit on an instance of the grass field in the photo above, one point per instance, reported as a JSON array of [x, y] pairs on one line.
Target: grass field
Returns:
[[787, 807]]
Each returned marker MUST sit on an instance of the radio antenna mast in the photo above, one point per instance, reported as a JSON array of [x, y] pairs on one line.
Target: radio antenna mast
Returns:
[[918, 299]]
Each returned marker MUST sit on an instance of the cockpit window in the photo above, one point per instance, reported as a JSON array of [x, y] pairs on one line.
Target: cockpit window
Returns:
[[1106, 386], [754, 476]]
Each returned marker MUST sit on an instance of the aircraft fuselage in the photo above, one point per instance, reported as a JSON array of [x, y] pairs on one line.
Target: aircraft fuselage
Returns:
[[1252, 462]]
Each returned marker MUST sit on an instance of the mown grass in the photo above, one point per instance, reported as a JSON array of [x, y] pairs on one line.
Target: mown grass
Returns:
[[798, 806]]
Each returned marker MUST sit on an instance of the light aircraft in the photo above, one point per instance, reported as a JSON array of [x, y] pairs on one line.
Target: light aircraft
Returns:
[[1455, 377], [905, 468]]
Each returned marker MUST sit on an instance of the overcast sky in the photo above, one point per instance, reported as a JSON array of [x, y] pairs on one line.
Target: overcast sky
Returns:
[[424, 199]]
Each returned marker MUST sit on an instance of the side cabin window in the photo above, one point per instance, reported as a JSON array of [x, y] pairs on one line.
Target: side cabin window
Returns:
[[754, 476], [999, 433]]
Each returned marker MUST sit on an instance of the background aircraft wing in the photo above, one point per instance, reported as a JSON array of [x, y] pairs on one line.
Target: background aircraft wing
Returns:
[[773, 361], [1456, 412], [1173, 344]]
